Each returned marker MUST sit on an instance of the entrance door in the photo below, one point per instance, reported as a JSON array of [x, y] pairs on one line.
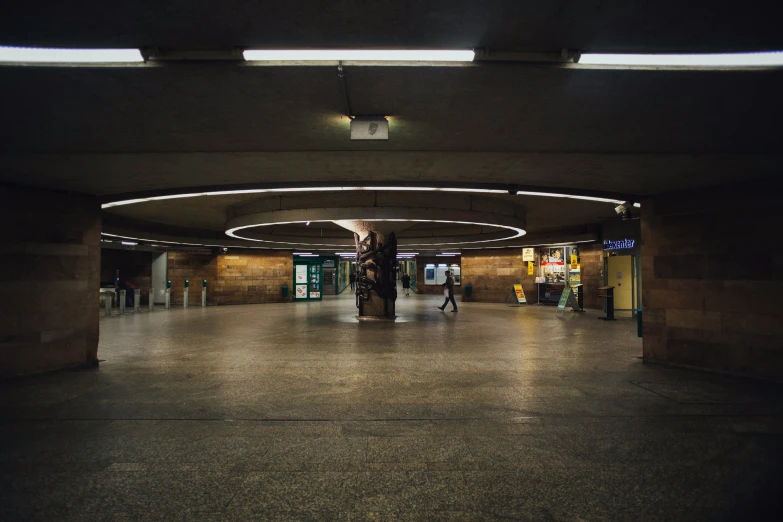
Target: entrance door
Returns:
[[330, 284], [619, 271]]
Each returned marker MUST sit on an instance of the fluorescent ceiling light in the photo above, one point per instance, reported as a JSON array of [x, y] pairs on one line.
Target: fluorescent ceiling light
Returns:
[[308, 255], [129, 243], [445, 255], [451, 253], [44, 55], [764, 59], [302, 253], [357, 55]]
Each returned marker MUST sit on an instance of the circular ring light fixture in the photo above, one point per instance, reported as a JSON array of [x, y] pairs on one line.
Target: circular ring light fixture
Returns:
[[515, 225]]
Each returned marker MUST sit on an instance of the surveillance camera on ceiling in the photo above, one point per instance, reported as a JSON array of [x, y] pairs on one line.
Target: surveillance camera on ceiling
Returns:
[[624, 209]]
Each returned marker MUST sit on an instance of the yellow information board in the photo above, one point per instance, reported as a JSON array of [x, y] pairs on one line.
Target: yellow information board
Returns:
[[574, 262], [520, 294], [529, 268]]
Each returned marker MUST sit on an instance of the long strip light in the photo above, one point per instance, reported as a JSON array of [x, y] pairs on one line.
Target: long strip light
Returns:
[[358, 55], [354, 188], [47, 55], [763, 59]]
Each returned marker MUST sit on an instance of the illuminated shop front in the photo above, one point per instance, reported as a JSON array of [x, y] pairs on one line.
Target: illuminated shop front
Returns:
[[559, 267]]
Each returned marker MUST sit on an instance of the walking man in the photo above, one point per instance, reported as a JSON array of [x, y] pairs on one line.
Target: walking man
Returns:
[[406, 283], [352, 278], [448, 291]]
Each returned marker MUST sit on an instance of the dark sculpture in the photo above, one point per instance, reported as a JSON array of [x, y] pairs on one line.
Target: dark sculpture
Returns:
[[376, 263]]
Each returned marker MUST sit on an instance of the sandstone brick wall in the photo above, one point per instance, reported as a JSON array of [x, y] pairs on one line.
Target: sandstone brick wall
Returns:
[[592, 266], [422, 288], [49, 280], [712, 274], [238, 277], [194, 268], [253, 277], [494, 272]]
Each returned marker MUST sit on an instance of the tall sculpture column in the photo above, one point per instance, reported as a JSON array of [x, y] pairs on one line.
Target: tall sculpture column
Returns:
[[376, 261]]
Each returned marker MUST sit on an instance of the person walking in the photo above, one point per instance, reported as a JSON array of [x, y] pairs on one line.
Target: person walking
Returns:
[[352, 279], [448, 291], [406, 283]]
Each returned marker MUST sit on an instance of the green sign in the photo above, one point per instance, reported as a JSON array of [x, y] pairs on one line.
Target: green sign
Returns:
[[187, 283], [564, 299], [204, 283]]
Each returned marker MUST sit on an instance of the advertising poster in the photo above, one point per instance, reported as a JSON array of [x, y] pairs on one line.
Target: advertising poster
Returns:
[[520, 294], [555, 257], [530, 268], [574, 262], [301, 274], [301, 292], [315, 295], [528, 254]]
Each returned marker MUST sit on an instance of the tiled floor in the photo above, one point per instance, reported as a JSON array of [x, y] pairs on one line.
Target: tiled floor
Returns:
[[298, 412]]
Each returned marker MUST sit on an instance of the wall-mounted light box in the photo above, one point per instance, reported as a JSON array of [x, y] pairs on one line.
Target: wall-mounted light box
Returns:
[[369, 128]]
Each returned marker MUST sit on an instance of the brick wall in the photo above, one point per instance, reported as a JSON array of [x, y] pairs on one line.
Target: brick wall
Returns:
[[592, 266], [49, 280], [712, 274], [238, 277], [194, 268], [494, 272], [422, 288], [253, 277]]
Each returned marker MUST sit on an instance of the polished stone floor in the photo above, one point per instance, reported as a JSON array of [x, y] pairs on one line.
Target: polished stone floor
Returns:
[[298, 412]]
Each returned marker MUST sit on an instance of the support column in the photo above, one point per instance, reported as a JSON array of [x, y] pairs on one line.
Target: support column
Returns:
[[376, 261], [49, 282]]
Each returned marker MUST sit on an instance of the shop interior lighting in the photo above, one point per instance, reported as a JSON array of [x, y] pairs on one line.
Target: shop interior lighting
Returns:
[[47, 55], [357, 55], [762, 59]]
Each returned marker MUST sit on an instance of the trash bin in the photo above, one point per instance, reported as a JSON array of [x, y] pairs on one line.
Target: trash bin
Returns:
[[285, 290], [468, 291], [639, 322]]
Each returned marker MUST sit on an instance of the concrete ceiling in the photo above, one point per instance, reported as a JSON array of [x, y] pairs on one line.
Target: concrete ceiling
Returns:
[[112, 131], [607, 25]]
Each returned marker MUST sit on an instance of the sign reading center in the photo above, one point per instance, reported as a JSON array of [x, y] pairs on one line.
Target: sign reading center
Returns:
[[620, 244]]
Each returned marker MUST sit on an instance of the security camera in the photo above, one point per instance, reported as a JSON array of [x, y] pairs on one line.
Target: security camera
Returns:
[[624, 209]]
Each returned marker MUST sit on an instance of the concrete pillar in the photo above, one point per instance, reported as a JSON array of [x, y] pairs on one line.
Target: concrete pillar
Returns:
[[376, 260], [51, 253], [711, 265], [122, 301], [151, 304], [137, 301]]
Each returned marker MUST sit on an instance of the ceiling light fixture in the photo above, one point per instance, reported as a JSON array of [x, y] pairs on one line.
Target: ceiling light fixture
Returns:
[[762, 59], [66, 56], [355, 188], [450, 253], [302, 253], [357, 55]]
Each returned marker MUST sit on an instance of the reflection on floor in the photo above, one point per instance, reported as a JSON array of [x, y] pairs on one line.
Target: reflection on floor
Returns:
[[297, 411]]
